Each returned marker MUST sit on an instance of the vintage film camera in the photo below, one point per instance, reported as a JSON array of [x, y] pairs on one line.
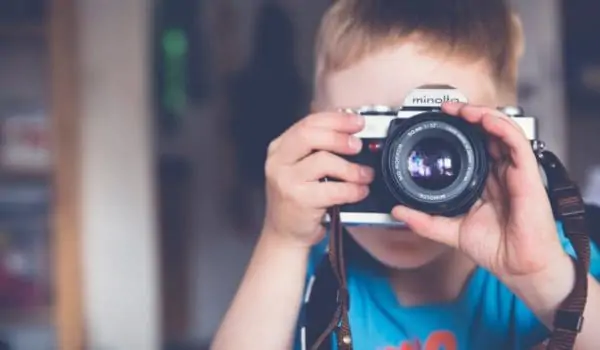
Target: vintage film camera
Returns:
[[423, 158]]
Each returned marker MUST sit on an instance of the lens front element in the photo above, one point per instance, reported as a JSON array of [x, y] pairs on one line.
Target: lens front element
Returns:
[[433, 164]]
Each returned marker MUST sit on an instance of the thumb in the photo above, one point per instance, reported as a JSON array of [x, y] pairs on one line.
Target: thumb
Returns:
[[436, 228]]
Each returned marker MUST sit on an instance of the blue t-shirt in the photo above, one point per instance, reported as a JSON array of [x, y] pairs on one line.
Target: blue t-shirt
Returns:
[[487, 315]]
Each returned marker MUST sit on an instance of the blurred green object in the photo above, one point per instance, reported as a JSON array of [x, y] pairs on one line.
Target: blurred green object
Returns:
[[175, 50], [180, 63]]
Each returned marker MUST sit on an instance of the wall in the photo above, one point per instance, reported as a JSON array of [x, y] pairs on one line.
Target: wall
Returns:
[[572, 133], [584, 145], [222, 251], [541, 70], [120, 267]]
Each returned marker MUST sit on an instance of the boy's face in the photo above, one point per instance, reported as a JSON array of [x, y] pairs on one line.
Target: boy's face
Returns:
[[385, 79]]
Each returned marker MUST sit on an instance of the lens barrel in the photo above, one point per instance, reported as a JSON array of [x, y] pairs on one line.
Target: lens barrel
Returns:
[[435, 163]]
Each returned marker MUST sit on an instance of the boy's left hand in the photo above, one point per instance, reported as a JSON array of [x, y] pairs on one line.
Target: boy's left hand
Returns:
[[511, 231]]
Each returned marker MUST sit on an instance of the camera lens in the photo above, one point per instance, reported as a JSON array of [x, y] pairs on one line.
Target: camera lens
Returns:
[[435, 163]]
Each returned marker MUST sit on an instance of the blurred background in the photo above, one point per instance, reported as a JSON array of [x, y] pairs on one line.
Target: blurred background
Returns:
[[132, 137]]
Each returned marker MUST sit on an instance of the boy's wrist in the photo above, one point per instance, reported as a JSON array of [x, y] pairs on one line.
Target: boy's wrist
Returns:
[[282, 241], [545, 291]]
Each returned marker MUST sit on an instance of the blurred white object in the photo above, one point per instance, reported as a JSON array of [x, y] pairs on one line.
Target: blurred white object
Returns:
[[591, 192], [25, 145]]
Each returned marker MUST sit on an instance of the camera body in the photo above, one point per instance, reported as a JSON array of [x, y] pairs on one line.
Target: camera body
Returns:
[[422, 157]]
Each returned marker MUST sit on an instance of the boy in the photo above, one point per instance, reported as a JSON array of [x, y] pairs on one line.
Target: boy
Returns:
[[491, 279]]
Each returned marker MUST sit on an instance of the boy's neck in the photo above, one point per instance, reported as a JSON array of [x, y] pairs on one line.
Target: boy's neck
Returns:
[[442, 280]]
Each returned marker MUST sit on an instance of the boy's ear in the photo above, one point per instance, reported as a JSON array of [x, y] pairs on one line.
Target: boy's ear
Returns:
[[519, 36]]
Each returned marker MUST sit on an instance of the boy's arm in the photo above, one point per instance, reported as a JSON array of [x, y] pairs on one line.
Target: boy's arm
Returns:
[[544, 298], [265, 310], [544, 294]]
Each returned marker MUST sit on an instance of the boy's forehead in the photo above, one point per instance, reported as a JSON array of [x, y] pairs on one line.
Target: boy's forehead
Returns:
[[387, 77]]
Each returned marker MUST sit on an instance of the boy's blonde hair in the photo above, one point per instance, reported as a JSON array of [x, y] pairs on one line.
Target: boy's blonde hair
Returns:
[[472, 30]]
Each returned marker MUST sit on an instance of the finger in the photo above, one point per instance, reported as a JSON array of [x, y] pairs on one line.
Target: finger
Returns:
[[493, 193], [497, 124], [302, 141], [514, 140], [274, 145], [341, 122], [496, 149], [471, 113], [475, 114], [499, 201], [453, 108], [324, 164], [327, 194], [437, 228]]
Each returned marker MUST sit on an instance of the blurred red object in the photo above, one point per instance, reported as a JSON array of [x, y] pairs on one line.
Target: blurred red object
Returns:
[[17, 291]]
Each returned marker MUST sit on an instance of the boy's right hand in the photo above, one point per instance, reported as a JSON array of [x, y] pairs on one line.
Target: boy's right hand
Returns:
[[296, 162]]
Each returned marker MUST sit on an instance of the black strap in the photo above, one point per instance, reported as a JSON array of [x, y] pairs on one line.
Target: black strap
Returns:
[[321, 305], [320, 309]]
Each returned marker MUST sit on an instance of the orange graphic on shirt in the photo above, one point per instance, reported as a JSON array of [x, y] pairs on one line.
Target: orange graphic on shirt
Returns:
[[439, 340]]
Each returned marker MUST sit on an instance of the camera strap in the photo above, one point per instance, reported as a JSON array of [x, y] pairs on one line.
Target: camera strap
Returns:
[[568, 208], [340, 324]]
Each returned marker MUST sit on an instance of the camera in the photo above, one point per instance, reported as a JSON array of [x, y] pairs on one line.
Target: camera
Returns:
[[423, 158]]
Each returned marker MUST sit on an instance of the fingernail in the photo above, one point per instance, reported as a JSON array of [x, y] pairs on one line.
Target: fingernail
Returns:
[[355, 143], [358, 119], [365, 191], [451, 103], [366, 172], [399, 210]]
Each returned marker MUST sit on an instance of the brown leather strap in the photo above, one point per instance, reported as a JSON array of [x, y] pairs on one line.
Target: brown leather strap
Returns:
[[568, 207]]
